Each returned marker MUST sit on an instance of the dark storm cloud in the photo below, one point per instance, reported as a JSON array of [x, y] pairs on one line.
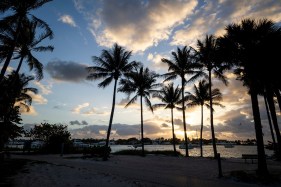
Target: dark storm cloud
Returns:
[[76, 122], [164, 125], [67, 71]]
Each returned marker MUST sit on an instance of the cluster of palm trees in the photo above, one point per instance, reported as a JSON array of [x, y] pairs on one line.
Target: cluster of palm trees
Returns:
[[249, 49], [20, 35]]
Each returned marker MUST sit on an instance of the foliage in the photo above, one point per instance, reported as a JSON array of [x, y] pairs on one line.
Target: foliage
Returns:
[[142, 83], [54, 135], [18, 13], [110, 66], [14, 98]]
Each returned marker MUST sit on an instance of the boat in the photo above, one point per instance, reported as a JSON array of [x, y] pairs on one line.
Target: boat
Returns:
[[190, 146], [228, 145], [136, 145]]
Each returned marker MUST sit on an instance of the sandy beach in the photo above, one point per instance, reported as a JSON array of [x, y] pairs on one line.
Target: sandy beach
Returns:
[[123, 171]]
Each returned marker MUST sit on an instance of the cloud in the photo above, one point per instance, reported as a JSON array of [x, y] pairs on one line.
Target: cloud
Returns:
[[78, 109], [156, 59], [94, 111], [45, 89], [213, 16], [67, 19], [138, 24], [67, 71], [37, 98], [151, 130], [31, 112], [76, 122]]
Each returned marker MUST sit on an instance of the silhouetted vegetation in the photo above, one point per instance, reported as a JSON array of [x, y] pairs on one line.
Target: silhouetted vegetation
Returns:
[[54, 135], [142, 83]]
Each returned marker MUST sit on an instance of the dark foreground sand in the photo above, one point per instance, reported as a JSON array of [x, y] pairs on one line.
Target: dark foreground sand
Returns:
[[127, 171]]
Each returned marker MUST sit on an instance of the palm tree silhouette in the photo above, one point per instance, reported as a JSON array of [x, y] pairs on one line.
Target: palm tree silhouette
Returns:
[[208, 56], [183, 64], [201, 97], [14, 98], [170, 97], [28, 42], [21, 12], [142, 82], [247, 46], [110, 66]]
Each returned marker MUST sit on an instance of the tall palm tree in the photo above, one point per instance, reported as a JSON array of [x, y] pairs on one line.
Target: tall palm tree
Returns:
[[142, 82], [183, 64], [201, 97], [110, 66], [207, 54], [20, 11], [28, 42], [248, 48], [170, 97]]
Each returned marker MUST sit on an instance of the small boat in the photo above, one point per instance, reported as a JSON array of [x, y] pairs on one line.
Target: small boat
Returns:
[[190, 146], [228, 145]]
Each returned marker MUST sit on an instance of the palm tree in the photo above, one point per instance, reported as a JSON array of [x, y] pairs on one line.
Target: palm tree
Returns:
[[183, 64], [207, 54], [248, 48], [201, 97], [28, 42], [170, 97], [110, 66], [21, 12], [13, 99], [142, 82]]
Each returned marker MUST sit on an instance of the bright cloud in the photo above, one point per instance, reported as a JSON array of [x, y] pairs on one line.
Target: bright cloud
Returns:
[[137, 24], [213, 16], [45, 89], [78, 109], [37, 98], [67, 19]]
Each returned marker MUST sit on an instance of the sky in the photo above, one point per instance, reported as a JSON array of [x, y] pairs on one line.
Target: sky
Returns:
[[151, 29]]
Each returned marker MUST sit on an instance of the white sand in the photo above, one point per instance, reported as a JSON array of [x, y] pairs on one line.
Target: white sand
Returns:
[[123, 171]]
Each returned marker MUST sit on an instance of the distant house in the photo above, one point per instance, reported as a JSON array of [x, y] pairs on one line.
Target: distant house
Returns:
[[36, 144]]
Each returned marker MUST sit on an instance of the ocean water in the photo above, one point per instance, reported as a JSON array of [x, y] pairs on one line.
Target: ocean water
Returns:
[[235, 152]]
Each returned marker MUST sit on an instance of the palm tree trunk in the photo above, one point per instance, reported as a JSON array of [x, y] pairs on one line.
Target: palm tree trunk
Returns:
[[211, 116], [201, 133], [173, 130], [262, 166], [142, 143], [183, 115], [269, 121], [19, 66], [111, 115], [274, 120]]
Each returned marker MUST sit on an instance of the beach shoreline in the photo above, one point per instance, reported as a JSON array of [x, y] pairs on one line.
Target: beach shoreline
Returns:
[[121, 170]]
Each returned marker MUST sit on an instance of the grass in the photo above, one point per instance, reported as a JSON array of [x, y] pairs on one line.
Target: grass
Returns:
[[139, 152], [9, 168]]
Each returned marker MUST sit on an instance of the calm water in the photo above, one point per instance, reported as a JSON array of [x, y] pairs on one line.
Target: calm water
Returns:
[[234, 152]]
